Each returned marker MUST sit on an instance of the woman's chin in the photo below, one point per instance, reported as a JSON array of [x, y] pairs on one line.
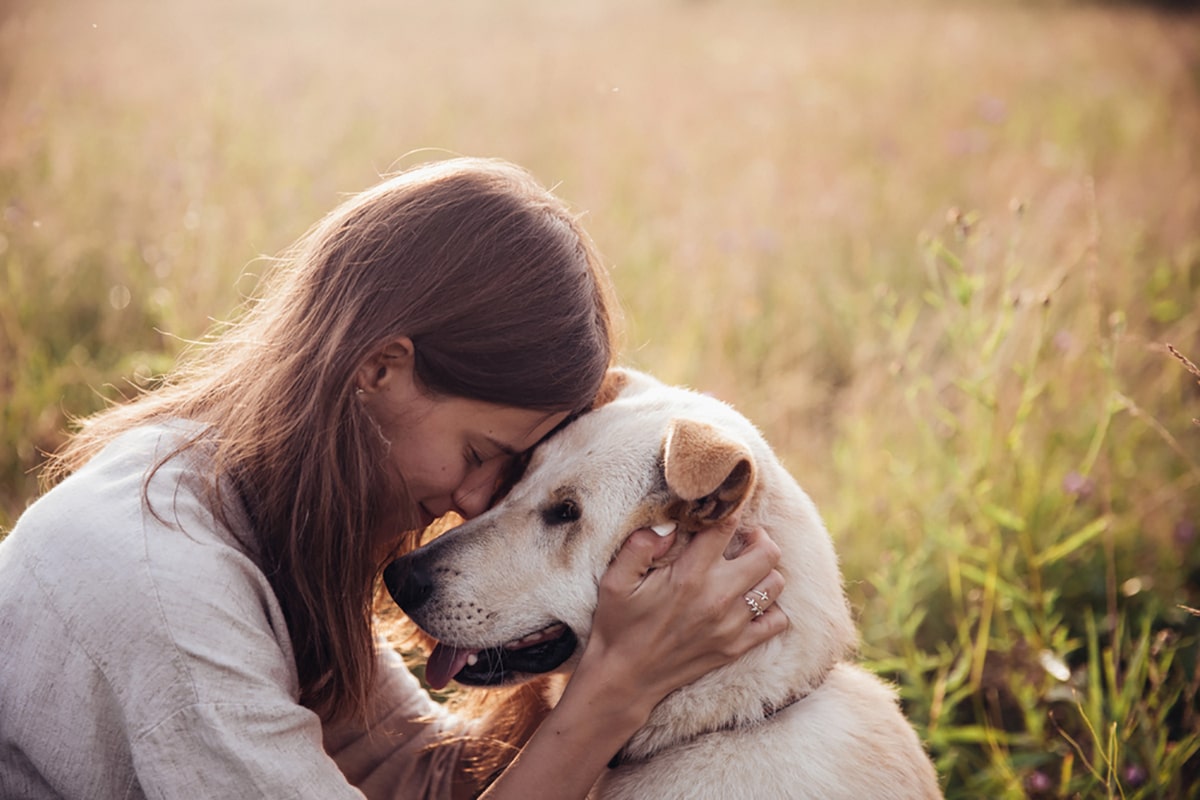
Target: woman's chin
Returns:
[[426, 518]]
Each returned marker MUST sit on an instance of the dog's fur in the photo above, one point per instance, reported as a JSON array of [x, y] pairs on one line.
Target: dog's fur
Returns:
[[795, 717]]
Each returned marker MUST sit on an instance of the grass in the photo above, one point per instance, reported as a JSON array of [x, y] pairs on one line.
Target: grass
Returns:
[[1039, 516], [937, 251]]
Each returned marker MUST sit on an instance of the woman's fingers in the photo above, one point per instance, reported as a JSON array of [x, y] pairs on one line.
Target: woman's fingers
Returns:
[[666, 623], [710, 543], [760, 599], [639, 552], [747, 612], [701, 569], [724, 580]]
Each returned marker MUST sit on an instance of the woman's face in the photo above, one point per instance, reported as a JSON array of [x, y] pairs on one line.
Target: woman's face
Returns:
[[452, 452]]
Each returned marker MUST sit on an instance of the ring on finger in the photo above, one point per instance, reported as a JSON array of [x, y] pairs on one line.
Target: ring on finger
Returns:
[[755, 609]]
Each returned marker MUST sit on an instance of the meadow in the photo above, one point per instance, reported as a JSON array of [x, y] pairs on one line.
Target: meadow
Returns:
[[937, 251]]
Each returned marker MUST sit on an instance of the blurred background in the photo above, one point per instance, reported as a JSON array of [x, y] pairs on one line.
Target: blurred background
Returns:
[[935, 250]]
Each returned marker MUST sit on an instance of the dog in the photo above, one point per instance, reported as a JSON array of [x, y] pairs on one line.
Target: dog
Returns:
[[509, 596]]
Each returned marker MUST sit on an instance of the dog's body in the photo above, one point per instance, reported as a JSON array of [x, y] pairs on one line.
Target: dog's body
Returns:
[[792, 718]]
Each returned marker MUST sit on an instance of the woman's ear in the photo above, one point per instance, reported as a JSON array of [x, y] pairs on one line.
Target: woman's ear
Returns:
[[385, 366]]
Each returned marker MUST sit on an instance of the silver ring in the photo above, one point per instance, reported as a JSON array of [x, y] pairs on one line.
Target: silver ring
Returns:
[[754, 606]]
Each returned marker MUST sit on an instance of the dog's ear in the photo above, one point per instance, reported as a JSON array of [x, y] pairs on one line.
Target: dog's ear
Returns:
[[622, 382], [711, 472], [615, 380]]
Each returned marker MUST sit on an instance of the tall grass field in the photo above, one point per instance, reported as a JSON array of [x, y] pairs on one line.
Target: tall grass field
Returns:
[[940, 252]]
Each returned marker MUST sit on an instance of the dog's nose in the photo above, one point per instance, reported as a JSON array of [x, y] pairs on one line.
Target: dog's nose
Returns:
[[408, 583]]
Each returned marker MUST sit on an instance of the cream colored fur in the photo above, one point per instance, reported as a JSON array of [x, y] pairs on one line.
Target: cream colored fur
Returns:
[[639, 460]]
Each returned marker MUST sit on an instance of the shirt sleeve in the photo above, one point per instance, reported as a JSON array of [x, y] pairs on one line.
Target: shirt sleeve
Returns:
[[184, 644], [237, 750], [264, 744], [409, 747]]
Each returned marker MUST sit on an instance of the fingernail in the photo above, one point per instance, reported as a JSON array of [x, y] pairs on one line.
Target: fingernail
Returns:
[[663, 528]]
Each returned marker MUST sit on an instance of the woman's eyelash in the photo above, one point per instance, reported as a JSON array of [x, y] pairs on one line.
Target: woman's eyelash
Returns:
[[473, 457]]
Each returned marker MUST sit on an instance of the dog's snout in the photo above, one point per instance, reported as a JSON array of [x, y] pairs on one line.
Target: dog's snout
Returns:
[[408, 582]]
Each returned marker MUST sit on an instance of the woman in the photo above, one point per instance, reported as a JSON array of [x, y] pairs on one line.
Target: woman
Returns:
[[189, 611]]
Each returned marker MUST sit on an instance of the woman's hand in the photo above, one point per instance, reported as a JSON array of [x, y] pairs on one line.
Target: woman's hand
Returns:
[[655, 630]]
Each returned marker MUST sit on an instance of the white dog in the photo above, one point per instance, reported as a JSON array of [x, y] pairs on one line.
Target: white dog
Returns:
[[510, 595]]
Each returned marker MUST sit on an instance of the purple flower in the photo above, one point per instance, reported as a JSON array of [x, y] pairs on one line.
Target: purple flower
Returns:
[[1079, 485], [1038, 782], [1064, 342], [1134, 775], [992, 109]]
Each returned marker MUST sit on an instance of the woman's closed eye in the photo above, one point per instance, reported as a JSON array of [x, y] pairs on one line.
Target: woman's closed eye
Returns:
[[473, 457]]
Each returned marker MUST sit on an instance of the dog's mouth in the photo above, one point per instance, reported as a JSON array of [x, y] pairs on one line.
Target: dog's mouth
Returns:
[[534, 653]]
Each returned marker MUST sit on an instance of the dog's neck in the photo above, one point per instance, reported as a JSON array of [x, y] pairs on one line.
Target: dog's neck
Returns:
[[769, 710]]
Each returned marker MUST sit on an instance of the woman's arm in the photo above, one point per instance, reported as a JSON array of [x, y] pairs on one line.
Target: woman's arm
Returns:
[[654, 631]]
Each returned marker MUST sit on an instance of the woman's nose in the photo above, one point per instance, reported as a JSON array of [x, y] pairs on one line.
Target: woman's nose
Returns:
[[474, 494]]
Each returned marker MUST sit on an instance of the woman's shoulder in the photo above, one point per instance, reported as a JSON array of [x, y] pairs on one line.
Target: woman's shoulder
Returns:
[[145, 478], [141, 570], [153, 636]]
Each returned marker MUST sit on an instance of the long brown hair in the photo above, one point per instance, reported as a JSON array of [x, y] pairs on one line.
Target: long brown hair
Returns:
[[503, 295]]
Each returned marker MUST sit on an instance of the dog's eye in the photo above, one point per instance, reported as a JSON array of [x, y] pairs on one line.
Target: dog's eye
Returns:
[[562, 512]]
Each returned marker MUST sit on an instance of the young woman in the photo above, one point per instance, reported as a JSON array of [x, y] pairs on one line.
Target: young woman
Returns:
[[188, 612]]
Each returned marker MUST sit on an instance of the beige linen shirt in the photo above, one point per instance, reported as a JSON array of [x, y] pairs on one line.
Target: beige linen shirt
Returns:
[[143, 658]]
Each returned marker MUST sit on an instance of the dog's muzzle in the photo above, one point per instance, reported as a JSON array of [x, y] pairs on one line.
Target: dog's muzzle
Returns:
[[411, 585]]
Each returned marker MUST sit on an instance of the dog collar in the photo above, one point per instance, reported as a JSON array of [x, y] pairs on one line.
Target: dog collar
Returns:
[[768, 710]]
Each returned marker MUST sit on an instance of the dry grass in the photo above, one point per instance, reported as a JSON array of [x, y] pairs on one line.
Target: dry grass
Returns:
[[934, 250]]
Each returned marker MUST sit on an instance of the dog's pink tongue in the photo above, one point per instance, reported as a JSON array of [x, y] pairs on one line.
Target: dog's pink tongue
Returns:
[[444, 663]]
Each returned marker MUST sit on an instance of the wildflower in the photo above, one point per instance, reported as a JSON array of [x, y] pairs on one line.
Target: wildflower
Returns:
[[1038, 782], [1064, 342], [1185, 532], [1134, 775], [1078, 485]]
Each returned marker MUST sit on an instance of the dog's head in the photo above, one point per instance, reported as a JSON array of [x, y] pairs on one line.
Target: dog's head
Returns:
[[510, 594]]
